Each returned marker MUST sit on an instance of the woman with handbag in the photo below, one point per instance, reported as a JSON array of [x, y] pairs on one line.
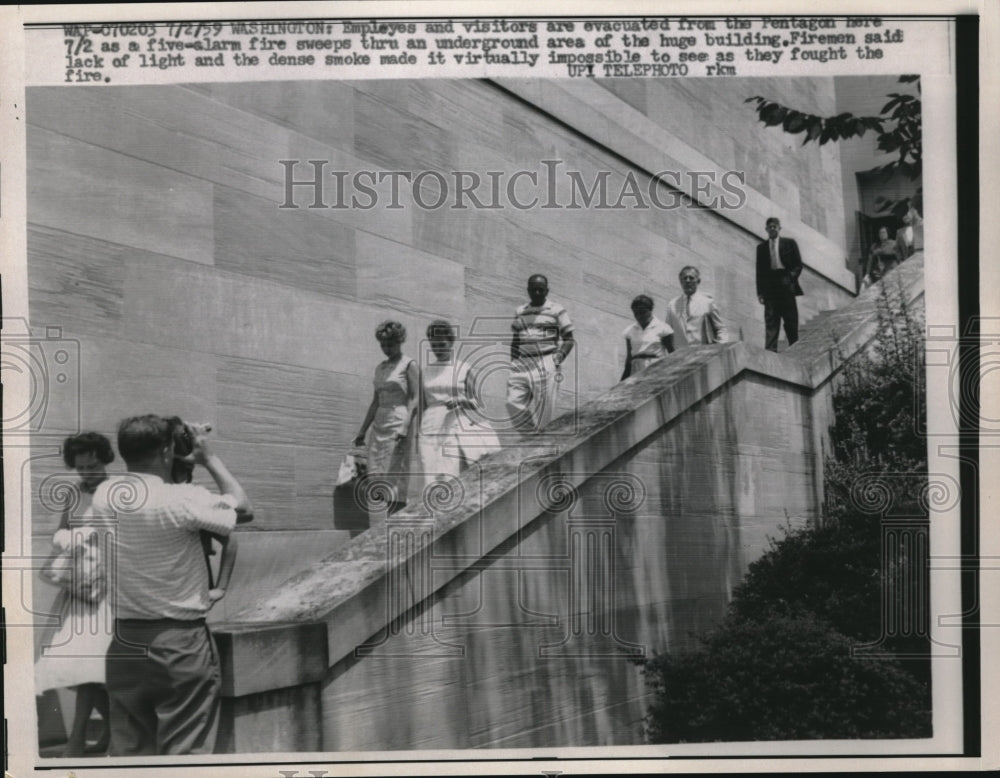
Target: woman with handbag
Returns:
[[390, 417], [74, 655]]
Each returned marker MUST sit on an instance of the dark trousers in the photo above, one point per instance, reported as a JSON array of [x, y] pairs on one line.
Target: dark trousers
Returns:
[[163, 682], [780, 306]]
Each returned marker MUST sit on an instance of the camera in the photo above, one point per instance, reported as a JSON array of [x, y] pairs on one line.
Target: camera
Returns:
[[183, 434]]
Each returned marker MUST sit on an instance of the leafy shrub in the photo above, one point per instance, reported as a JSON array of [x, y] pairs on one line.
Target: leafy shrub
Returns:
[[834, 573], [831, 570], [782, 677], [877, 404]]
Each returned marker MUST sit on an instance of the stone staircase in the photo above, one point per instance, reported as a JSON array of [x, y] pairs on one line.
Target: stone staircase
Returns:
[[817, 335]]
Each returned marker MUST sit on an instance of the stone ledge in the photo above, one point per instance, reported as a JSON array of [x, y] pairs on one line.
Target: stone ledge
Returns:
[[849, 328], [275, 656]]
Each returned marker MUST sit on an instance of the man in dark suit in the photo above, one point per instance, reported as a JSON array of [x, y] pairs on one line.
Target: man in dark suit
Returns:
[[778, 267]]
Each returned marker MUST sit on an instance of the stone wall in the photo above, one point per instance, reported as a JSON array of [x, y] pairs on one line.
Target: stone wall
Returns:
[[711, 115], [625, 538], [532, 647], [156, 244]]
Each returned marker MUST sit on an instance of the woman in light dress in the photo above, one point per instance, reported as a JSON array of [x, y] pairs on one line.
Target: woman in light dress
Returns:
[[74, 655], [450, 434], [389, 418]]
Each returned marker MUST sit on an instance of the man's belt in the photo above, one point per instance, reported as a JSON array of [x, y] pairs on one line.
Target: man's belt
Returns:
[[160, 622]]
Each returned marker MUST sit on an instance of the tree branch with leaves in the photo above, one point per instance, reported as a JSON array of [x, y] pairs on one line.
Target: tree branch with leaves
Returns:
[[898, 127]]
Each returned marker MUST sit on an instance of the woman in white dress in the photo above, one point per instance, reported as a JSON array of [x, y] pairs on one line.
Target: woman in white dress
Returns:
[[390, 416], [450, 434], [74, 655]]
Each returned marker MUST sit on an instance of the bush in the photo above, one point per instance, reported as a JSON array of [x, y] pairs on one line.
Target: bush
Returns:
[[782, 677], [831, 571], [877, 404]]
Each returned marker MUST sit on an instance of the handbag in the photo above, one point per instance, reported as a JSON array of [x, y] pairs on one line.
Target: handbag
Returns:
[[350, 511], [75, 564], [58, 568], [89, 578]]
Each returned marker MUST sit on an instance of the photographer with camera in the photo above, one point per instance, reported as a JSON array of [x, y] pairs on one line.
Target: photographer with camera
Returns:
[[163, 674], [183, 473]]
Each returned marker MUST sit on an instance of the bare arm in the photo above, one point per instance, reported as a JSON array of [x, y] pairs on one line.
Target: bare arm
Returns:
[[359, 440], [227, 561], [515, 346], [412, 395], [224, 480], [470, 398], [64, 519], [668, 343], [628, 360], [565, 347]]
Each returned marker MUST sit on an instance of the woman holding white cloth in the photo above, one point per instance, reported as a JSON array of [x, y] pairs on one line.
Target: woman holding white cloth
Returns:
[[450, 434]]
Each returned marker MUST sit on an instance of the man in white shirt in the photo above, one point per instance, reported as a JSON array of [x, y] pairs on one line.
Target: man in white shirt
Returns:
[[694, 316], [162, 667], [542, 338], [646, 341]]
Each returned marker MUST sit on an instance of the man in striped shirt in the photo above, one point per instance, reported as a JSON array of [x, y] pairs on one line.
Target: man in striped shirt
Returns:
[[162, 667], [542, 339]]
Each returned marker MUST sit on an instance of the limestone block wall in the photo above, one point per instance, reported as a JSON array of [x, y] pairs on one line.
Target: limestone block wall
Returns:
[[533, 646], [156, 245], [711, 115]]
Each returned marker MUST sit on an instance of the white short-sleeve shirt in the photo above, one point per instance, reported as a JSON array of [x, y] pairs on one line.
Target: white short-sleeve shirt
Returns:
[[159, 562], [648, 343]]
